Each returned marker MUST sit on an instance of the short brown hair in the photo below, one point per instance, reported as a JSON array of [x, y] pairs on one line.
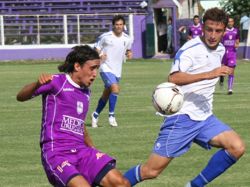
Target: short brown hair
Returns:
[[216, 14]]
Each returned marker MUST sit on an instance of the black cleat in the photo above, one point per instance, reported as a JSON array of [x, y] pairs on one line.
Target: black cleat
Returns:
[[230, 92]]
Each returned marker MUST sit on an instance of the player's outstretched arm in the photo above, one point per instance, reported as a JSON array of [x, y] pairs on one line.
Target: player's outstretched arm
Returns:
[[182, 78], [27, 91]]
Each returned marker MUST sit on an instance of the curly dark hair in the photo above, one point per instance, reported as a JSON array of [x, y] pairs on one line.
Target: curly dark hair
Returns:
[[79, 54], [216, 14]]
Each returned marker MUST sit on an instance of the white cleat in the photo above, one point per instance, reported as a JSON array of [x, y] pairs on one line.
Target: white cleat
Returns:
[[188, 184], [94, 121], [112, 121]]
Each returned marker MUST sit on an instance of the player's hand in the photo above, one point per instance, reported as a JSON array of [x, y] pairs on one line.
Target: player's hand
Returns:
[[44, 79], [103, 57], [220, 71], [129, 54]]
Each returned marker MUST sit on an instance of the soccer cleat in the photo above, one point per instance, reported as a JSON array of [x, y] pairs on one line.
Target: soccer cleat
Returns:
[[221, 81], [112, 121], [230, 92], [94, 121], [188, 184]]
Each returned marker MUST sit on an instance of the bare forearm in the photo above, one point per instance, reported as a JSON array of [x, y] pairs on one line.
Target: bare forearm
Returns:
[[27, 91], [182, 78]]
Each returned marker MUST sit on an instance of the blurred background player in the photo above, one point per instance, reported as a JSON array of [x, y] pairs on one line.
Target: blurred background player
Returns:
[[68, 155], [170, 47], [183, 35], [162, 32], [114, 47], [230, 40], [195, 29], [196, 69]]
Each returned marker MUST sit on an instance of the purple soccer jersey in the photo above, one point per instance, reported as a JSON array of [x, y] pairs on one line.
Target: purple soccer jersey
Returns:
[[229, 40], [195, 30], [64, 152]]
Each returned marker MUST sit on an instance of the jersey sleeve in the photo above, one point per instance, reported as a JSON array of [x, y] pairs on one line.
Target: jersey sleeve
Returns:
[[99, 43], [130, 43], [45, 89], [182, 62]]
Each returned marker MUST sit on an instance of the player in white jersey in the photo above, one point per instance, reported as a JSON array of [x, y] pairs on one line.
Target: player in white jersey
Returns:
[[114, 47], [196, 68]]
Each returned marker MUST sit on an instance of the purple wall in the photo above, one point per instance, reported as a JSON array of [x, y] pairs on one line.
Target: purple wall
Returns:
[[138, 47], [33, 54]]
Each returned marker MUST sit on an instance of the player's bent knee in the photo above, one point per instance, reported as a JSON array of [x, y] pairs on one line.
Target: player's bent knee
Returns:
[[238, 149]]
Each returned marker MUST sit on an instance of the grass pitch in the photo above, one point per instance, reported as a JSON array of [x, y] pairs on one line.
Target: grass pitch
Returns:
[[130, 143]]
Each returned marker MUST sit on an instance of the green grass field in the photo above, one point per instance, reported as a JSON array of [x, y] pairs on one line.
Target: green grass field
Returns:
[[132, 141]]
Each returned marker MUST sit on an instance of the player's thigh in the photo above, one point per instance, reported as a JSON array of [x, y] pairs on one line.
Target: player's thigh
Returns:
[[154, 165], [230, 141], [114, 178], [78, 181]]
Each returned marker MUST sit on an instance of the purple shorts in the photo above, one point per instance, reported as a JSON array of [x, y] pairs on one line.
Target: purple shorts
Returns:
[[179, 132], [229, 59], [62, 166]]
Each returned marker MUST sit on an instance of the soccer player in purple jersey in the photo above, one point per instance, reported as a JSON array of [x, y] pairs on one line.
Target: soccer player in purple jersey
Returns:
[[195, 29], [196, 69], [230, 40], [68, 155]]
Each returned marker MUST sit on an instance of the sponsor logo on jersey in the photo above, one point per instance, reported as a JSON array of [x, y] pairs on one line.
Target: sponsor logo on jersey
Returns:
[[72, 124], [68, 89], [79, 107]]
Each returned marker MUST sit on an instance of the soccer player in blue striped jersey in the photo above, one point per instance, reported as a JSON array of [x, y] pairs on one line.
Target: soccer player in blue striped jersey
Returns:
[[114, 47], [196, 68]]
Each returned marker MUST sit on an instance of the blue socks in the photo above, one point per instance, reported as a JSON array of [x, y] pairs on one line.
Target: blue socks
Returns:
[[102, 104], [112, 103], [133, 175], [100, 107], [219, 163]]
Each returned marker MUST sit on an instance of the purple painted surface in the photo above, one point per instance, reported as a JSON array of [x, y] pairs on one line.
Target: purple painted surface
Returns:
[[247, 52], [33, 54], [138, 47]]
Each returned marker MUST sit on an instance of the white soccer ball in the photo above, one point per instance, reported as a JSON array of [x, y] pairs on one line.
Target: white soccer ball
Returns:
[[167, 98]]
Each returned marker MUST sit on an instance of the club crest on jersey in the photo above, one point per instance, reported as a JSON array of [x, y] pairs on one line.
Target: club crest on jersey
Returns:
[[230, 37], [79, 107]]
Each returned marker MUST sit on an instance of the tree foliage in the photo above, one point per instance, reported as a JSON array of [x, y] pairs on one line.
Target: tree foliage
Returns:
[[236, 7]]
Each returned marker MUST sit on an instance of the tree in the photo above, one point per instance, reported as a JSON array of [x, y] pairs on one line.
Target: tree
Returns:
[[236, 7]]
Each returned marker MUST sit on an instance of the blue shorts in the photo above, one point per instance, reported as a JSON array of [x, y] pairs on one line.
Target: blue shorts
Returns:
[[109, 79], [178, 132]]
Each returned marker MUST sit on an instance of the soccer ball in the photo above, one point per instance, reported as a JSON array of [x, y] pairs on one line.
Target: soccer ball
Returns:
[[167, 98]]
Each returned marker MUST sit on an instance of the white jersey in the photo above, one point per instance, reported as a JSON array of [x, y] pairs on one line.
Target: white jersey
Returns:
[[115, 48], [194, 57]]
